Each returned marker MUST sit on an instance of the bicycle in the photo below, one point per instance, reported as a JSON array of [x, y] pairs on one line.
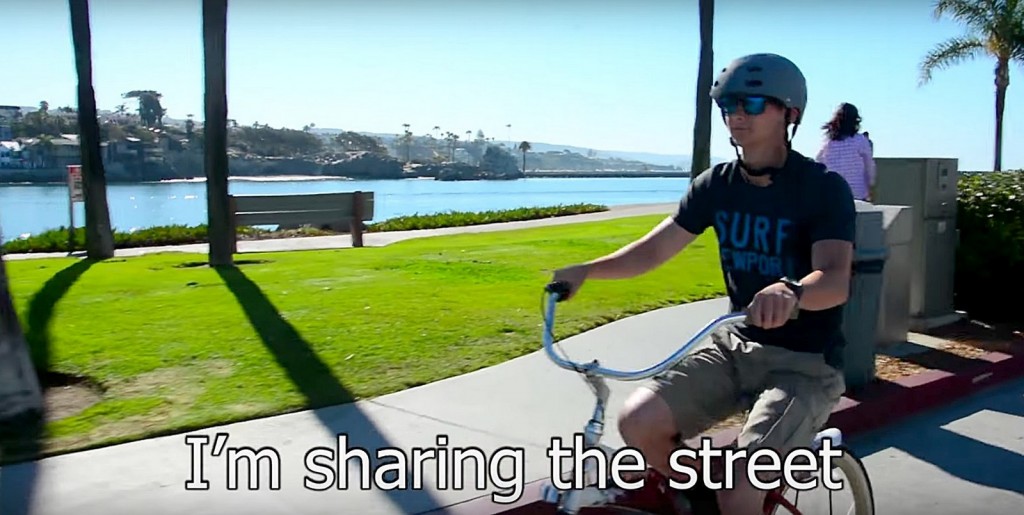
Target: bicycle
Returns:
[[699, 500]]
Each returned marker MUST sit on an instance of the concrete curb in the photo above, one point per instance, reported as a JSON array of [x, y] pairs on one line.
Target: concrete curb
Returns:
[[860, 412]]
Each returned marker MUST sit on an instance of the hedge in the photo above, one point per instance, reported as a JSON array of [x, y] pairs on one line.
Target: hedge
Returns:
[[56, 240], [990, 256]]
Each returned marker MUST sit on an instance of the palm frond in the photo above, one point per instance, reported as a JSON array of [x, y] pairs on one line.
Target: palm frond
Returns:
[[948, 53], [979, 15]]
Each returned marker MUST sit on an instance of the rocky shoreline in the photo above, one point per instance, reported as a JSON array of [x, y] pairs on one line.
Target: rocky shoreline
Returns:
[[352, 165]]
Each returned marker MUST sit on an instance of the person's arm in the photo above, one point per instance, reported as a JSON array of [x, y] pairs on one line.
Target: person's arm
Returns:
[[671, 236], [832, 237]]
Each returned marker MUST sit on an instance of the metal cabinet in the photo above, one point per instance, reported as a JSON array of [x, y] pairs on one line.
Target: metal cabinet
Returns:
[[929, 187]]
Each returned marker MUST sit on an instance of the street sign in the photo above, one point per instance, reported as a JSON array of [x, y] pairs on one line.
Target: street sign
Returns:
[[74, 195], [75, 183]]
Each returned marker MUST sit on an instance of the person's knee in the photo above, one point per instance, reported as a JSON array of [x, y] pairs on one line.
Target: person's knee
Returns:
[[646, 417]]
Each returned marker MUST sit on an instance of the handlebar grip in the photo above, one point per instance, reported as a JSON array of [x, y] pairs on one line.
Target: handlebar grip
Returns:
[[560, 288]]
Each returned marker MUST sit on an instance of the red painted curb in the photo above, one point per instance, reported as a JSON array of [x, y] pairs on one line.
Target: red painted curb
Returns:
[[914, 394], [859, 412]]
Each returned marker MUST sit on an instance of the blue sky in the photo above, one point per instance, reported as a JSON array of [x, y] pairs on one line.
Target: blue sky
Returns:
[[615, 75]]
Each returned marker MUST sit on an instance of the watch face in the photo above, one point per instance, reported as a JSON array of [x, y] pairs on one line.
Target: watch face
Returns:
[[794, 286]]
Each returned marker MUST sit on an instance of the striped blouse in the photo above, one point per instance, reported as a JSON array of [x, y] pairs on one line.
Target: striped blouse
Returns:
[[853, 158]]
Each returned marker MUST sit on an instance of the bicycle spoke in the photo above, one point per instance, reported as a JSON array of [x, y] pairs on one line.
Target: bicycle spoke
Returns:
[[856, 491]]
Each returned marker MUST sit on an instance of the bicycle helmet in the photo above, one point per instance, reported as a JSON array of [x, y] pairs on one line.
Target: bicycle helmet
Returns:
[[768, 75]]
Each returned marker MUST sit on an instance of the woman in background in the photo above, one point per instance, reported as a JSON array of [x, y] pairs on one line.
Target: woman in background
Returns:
[[848, 152]]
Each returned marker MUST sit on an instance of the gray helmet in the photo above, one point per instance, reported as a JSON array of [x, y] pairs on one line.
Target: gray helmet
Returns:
[[770, 75]]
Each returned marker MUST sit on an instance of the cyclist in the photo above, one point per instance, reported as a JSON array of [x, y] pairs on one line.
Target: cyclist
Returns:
[[785, 228]]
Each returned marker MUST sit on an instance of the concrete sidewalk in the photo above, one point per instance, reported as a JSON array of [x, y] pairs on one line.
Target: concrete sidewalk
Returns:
[[517, 406], [380, 239]]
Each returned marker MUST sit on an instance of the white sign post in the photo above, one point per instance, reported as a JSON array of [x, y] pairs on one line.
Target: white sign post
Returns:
[[74, 195]]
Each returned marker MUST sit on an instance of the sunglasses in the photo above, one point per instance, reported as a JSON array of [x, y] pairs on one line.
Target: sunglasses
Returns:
[[752, 105]]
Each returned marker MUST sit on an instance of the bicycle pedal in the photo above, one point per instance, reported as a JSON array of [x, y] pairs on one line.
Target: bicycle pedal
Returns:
[[549, 493]]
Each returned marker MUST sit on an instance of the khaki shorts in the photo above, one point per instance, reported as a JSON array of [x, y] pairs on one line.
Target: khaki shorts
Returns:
[[793, 393]]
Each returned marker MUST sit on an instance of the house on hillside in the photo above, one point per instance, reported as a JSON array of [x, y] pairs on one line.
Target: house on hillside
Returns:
[[10, 154], [59, 152], [65, 151], [9, 114]]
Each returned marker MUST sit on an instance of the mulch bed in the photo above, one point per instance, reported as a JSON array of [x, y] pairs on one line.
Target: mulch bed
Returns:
[[966, 341]]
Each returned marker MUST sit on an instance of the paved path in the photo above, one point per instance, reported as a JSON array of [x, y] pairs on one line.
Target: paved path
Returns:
[[521, 403], [379, 239], [965, 458]]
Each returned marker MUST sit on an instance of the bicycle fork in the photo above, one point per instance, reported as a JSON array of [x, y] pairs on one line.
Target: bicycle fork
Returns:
[[570, 501]]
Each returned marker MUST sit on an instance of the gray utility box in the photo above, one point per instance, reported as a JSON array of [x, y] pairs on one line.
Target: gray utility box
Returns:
[[894, 317], [860, 314], [929, 187]]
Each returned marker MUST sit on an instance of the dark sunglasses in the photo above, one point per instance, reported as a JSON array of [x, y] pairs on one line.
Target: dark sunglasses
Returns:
[[752, 105]]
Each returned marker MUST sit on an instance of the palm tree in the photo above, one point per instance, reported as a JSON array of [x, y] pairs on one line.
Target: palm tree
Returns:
[[99, 237], [20, 393], [215, 132], [994, 28], [701, 158], [524, 147], [407, 138]]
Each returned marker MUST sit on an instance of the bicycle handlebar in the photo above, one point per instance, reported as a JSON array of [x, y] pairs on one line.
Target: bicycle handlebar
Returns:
[[557, 292]]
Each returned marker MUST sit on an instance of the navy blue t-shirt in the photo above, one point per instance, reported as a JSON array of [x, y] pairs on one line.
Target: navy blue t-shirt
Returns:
[[766, 233]]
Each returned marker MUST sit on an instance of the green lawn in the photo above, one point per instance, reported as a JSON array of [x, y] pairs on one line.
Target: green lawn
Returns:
[[178, 346]]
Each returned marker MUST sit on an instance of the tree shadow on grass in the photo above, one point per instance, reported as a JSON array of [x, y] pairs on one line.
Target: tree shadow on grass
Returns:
[[23, 441], [316, 382]]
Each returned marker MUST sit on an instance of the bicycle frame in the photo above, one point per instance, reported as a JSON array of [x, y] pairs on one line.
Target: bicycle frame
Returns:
[[595, 376]]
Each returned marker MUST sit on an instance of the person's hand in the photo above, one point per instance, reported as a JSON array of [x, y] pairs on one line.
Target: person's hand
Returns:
[[772, 307], [574, 276]]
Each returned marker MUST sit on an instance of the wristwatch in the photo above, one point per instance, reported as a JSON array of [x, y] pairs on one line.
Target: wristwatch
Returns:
[[794, 286]]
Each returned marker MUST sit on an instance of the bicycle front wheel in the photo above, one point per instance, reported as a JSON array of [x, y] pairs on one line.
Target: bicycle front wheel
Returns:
[[855, 481]]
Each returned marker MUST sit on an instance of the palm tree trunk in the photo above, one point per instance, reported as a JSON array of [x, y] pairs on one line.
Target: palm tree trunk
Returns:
[[99, 238], [1002, 82], [215, 131], [524, 161], [702, 120], [20, 393]]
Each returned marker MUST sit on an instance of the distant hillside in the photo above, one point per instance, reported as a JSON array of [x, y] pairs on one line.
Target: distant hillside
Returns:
[[680, 160]]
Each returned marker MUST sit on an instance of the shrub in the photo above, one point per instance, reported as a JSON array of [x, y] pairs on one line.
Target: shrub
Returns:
[[463, 218], [56, 240], [990, 257]]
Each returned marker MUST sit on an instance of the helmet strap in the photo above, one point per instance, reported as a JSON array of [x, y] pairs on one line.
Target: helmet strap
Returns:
[[769, 171], [796, 125]]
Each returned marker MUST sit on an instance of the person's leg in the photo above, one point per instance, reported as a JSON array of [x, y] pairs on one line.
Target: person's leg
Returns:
[[797, 396], [686, 401]]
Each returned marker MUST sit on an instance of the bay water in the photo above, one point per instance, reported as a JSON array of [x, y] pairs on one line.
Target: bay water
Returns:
[[27, 209]]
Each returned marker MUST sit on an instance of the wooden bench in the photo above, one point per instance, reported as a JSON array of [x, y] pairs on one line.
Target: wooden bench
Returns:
[[352, 208]]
